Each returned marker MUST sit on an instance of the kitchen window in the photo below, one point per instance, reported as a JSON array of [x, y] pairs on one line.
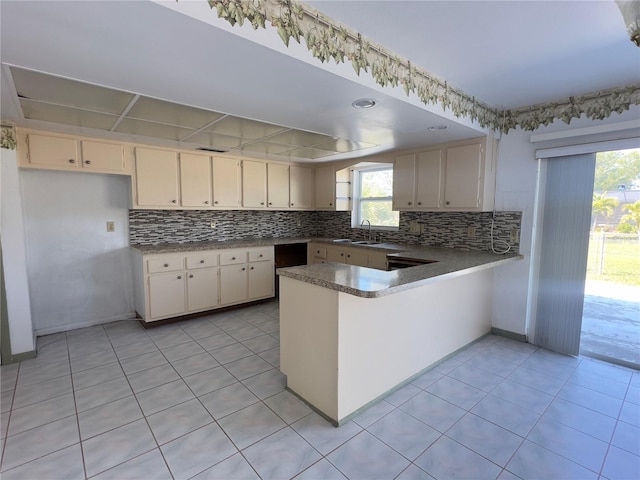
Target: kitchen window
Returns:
[[373, 197]]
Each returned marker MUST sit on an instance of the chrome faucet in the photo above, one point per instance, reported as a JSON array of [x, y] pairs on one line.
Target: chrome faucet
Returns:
[[362, 226]]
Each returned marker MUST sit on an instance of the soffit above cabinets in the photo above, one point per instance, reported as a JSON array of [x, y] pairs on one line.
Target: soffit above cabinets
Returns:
[[64, 101]]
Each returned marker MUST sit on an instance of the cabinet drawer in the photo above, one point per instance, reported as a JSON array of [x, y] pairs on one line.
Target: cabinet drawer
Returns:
[[202, 261], [171, 264], [319, 252], [232, 257], [260, 254]]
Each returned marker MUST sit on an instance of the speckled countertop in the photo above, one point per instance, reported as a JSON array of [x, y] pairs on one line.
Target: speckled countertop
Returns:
[[360, 281], [370, 283]]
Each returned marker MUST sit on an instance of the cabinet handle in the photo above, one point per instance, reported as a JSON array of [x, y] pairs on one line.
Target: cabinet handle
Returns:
[[87, 162], [292, 204], [206, 202], [260, 256], [243, 269], [447, 202], [233, 258], [270, 203], [409, 203], [179, 277], [349, 256], [342, 254], [251, 268], [215, 202], [190, 276], [201, 261], [71, 160], [419, 203], [173, 201], [166, 265], [330, 204], [261, 203]]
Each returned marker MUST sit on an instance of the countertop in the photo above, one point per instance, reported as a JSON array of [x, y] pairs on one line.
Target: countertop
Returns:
[[361, 281], [370, 283]]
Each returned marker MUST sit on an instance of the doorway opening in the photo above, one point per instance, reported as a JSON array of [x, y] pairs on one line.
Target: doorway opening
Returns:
[[611, 311]]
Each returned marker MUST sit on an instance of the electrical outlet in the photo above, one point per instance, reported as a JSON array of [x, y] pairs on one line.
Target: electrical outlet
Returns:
[[414, 227], [471, 232], [111, 226], [514, 235], [212, 225], [423, 228]]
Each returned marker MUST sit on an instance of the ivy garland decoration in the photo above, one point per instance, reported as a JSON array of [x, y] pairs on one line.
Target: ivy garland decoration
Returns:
[[327, 39], [8, 137]]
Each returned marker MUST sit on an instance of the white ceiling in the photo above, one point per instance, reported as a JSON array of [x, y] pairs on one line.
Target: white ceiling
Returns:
[[506, 53]]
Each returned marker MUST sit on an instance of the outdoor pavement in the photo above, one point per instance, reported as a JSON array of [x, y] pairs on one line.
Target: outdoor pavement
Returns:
[[611, 323]]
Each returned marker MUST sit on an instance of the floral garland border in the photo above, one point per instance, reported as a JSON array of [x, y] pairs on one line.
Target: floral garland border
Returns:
[[327, 39], [8, 137]]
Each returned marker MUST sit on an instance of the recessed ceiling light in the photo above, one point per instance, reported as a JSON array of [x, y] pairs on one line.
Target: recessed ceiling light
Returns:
[[364, 103], [435, 128]]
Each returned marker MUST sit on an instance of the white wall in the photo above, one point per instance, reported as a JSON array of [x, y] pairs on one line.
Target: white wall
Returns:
[[14, 257], [79, 274], [516, 187]]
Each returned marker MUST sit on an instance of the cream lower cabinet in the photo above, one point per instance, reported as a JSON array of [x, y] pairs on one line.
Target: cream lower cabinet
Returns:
[[319, 253], [171, 285], [166, 294]]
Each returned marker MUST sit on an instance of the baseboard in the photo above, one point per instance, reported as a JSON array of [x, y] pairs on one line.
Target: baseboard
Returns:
[[507, 334], [19, 357], [90, 323]]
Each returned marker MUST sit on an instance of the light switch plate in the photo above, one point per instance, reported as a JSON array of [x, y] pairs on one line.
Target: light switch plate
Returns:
[[111, 226]]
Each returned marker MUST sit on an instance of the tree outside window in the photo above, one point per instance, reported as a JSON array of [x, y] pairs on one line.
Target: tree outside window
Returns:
[[375, 196]]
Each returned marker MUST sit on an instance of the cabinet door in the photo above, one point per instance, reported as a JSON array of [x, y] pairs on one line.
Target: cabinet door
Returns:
[[195, 180], [226, 182], [277, 185], [166, 294], [301, 187], [325, 188], [254, 184], [156, 177], [261, 280], [53, 151], [358, 258], [233, 284], [428, 179], [336, 254], [463, 176], [404, 181], [102, 156], [378, 261], [202, 289]]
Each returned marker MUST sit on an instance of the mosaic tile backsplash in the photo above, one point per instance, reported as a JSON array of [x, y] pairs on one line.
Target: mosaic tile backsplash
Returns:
[[442, 229]]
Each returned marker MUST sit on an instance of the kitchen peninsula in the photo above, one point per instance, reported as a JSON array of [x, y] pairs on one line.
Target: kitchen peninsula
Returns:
[[350, 335]]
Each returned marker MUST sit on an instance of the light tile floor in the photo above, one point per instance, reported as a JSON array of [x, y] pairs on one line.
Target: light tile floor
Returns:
[[204, 399]]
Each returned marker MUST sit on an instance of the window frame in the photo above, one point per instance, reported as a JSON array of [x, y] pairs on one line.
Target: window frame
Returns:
[[356, 213]]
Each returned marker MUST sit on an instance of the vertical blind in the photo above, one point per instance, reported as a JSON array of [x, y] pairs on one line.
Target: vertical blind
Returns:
[[564, 244]]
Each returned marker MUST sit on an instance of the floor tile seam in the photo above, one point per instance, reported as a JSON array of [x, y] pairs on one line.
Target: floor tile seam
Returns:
[[2, 470], [159, 445], [4, 440], [617, 417], [124, 374], [598, 391], [636, 453], [463, 408], [502, 467], [567, 458], [519, 382], [119, 464], [420, 420], [398, 452], [517, 405], [42, 424], [461, 381]]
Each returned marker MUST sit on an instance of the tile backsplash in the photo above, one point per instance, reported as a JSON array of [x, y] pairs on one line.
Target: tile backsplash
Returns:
[[443, 229]]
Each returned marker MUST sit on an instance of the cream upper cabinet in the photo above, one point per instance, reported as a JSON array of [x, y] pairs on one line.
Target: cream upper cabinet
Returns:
[[428, 192], [53, 151], [254, 184], [195, 180], [301, 187], [156, 178], [325, 183], [277, 185], [463, 177], [69, 153], [404, 181], [458, 177], [226, 182], [102, 156]]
